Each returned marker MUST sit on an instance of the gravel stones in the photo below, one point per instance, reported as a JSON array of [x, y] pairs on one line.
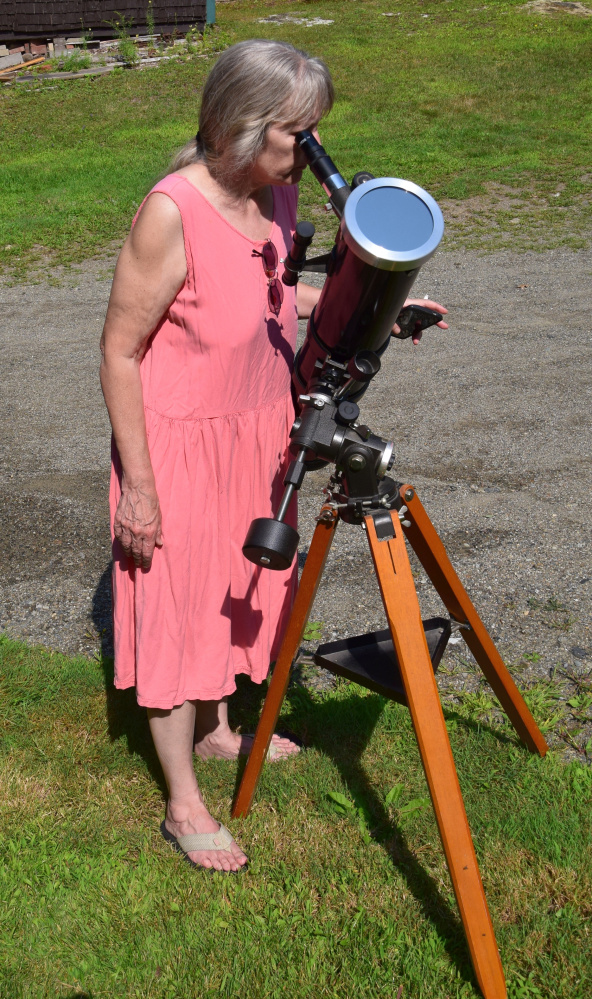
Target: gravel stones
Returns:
[[491, 423]]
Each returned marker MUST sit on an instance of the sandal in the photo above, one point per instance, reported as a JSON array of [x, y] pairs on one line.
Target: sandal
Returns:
[[217, 841], [274, 752]]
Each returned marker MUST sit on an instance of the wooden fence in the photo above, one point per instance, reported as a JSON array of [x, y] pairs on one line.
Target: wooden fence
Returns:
[[25, 19]]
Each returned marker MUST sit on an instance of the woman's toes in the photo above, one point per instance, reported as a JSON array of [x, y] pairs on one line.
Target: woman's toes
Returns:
[[231, 859], [236, 857], [284, 747]]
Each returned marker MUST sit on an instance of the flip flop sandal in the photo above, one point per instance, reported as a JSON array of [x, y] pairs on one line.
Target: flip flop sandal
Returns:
[[217, 842], [274, 752]]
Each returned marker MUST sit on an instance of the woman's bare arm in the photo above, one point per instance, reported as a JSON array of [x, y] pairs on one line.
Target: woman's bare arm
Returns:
[[306, 298], [150, 271]]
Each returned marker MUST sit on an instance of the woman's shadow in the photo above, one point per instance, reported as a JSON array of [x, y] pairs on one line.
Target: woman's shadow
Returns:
[[126, 721]]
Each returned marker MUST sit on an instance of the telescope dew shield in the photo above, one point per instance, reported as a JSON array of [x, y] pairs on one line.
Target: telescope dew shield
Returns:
[[389, 228]]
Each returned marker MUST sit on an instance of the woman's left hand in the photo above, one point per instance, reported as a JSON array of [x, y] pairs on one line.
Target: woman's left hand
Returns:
[[427, 304]]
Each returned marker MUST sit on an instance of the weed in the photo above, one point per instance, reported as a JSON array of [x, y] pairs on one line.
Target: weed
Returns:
[[523, 988], [74, 61], [346, 808], [555, 614], [86, 34], [544, 700], [581, 705], [394, 799], [479, 706], [150, 22], [209, 41], [126, 47], [313, 631]]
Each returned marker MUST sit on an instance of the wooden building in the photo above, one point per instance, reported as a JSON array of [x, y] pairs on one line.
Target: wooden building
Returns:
[[23, 20]]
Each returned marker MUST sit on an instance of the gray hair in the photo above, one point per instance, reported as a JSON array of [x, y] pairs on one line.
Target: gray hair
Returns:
[[253, 85]]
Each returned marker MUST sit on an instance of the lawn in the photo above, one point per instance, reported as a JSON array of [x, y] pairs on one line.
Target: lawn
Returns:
[[488, 107], [347, 892]]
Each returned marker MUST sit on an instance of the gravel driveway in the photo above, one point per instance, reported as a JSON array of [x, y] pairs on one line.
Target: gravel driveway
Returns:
[[491, 422]]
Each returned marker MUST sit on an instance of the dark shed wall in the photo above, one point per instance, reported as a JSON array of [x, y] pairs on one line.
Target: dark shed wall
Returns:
[[31, 18]]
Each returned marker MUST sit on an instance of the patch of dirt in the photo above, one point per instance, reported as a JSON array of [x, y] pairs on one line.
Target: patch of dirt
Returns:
[[507, 217], [558, 7]]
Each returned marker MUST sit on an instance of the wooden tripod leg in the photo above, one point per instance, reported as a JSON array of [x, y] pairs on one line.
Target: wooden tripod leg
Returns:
[[424, 540], [393, 572], [311, 577]]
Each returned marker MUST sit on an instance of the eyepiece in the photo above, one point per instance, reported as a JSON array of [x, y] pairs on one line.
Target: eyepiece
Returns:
[[324, 170]]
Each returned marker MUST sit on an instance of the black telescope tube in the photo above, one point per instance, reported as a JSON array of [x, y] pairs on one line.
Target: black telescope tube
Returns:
[[325, 171]]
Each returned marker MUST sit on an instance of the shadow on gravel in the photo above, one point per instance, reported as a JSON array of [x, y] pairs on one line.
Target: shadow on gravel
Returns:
[[101, 613]]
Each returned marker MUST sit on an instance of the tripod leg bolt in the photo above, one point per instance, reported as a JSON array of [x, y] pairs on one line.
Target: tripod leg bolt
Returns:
[[271, 543], [409, 494]]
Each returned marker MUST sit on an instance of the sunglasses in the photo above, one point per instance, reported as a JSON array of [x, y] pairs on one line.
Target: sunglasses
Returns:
[[275, 290]]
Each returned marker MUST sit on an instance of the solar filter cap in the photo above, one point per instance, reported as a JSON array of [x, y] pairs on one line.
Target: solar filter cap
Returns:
[[392, 224]]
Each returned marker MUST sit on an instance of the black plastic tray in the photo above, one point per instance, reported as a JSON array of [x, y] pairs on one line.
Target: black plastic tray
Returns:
[[371, 660]]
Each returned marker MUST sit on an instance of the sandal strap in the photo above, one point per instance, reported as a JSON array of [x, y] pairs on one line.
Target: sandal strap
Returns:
[[220, 840]]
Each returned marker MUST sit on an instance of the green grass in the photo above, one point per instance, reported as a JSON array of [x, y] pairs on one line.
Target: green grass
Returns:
[[347, 892], [488, 107]]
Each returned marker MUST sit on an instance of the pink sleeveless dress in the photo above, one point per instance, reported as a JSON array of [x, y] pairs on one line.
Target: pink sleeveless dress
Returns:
[[216, 385]]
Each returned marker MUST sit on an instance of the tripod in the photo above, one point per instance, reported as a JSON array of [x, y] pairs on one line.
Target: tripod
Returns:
[[404, 670]]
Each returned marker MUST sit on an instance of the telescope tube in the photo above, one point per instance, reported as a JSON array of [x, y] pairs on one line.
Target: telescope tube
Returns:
[[389, 228]]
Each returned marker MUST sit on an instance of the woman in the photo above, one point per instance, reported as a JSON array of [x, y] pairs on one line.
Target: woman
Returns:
[[197, 348]]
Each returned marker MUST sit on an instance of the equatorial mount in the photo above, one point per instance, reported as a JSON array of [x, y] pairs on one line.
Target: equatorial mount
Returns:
[[328, 429]]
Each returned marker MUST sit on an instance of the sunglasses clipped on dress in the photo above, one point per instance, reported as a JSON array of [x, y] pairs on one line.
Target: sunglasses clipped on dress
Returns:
[[275, 290]]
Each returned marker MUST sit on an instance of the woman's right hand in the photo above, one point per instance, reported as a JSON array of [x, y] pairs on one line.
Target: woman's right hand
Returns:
[[137, 524], [150, 271]]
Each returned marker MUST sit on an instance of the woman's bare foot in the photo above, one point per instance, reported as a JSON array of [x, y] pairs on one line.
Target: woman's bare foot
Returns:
[[224, 744], [189, 816], [213, 737]]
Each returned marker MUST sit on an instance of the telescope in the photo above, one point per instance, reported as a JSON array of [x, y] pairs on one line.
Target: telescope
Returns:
[[388, 228]]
